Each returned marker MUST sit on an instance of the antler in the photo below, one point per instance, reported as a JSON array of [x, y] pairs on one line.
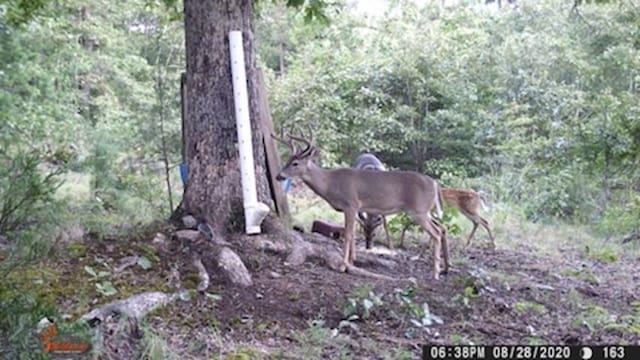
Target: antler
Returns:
[[308, 143], [281, 139]]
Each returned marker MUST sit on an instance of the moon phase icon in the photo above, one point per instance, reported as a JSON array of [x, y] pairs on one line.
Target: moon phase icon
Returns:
[[586, 353]]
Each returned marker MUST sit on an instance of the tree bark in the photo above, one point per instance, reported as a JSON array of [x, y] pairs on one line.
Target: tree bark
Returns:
[[213, 191]]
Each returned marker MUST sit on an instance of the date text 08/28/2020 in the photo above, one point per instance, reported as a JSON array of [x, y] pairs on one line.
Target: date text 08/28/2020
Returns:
[[530, 352]]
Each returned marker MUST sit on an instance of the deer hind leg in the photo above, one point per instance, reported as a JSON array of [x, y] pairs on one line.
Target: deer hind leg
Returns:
[[445, 244], [433, 228], [479, 220], [475, 227], [474, 219], [485, 224]]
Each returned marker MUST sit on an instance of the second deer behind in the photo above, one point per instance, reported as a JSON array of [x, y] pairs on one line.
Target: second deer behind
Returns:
[[370, 222]]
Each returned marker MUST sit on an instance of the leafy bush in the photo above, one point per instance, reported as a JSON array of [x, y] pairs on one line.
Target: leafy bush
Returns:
[[561, 194], [403, 222], [621, 219], [25, 192]]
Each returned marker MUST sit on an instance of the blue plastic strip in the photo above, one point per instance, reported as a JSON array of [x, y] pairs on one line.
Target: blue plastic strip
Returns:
[[184, 173], [286, 185]]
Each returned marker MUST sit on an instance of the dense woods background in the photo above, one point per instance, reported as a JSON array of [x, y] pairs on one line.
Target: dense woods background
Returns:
[[535, 102]]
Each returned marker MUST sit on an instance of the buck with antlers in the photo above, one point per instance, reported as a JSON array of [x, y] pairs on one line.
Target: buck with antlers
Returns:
[[379, 192], [370, 222], [468, 202]]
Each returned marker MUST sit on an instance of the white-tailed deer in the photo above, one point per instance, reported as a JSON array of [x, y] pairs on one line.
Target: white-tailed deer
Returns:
[[370, 222], [379, 192], [468, 202]]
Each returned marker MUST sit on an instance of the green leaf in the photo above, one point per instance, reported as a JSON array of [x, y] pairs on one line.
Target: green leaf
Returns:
[[144, 262], [90, 271], [106, 288], [368, 304]]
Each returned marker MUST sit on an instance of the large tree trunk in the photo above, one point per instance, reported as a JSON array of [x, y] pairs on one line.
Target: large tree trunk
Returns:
[[213, 191]]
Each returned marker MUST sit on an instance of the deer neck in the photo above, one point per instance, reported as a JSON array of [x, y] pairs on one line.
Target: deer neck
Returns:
[[317, 179]]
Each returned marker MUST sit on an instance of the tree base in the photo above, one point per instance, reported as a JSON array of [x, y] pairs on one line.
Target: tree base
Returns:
[[297, 249]]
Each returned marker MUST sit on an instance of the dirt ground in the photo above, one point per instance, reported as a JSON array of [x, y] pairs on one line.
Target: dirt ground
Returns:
[[489, 297]]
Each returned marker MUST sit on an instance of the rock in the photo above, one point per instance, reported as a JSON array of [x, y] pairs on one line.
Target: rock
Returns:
[[126, 262], [275, 275], [189, 222], [188, 235], [206, 230], [160, 239], [234, 267]]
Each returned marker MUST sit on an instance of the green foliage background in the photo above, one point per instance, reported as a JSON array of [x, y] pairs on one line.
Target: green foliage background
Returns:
[[537, 104]]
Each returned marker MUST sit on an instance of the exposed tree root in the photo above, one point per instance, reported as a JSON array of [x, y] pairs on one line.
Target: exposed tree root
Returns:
[[233, 266], [297, 247], [371, 259], [136, 306], [366, 273], [302, 247], [226, 259]]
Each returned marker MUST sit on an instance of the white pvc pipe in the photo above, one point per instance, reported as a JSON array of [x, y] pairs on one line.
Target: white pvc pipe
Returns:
[[254, 211]]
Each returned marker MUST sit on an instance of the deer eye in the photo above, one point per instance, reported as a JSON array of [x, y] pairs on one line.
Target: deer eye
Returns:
[[295, 163]]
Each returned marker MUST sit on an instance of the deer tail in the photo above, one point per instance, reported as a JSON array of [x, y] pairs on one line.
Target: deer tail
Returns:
[[438, 200], [483, 200]]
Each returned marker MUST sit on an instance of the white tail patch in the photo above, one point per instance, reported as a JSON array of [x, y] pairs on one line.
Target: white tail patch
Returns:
[[438, 201], [483, 200]]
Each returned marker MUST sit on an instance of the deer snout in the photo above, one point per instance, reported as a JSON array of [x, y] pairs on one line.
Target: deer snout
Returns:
[[279, 177]]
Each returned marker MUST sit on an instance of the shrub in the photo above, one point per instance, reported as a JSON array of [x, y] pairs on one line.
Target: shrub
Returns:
[[25, 191]]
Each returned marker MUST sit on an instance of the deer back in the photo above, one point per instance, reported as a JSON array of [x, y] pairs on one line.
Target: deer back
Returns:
[[380, 192]]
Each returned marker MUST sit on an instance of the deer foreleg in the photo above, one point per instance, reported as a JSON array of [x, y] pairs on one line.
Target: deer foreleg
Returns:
[[349, 237], [347, 246], [437, 251]]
